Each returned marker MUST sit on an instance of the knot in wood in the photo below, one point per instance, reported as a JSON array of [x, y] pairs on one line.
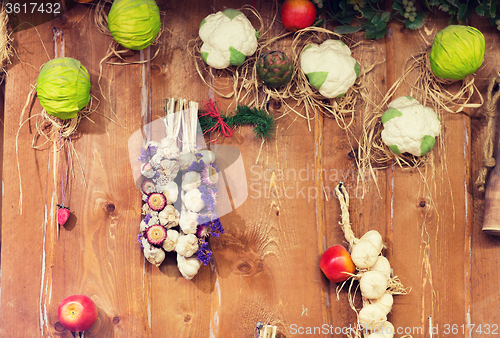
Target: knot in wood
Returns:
[[155, 70], [244, 267], [116, 320], [110, 207], [353, 154], [276, 104], [422, 204]]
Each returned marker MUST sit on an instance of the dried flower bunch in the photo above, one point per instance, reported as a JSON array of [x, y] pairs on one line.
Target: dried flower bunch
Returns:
[[171, 224]]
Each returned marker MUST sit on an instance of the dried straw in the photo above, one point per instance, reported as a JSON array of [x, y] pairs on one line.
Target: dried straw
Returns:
[[50, 130], [429, 90], [115, 50], [243, 84], [5, 41]]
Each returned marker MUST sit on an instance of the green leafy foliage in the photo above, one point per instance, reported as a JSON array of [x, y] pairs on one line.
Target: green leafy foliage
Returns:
[[372, 16], [263, 122]]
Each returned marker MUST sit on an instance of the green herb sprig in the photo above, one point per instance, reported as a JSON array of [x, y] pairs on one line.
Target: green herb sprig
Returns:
[[263, 122]]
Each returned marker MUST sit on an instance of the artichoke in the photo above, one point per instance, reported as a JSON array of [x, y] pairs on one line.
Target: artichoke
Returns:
[[274, 68]]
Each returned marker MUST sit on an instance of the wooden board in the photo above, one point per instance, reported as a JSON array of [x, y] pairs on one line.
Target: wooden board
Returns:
[[265, 266]]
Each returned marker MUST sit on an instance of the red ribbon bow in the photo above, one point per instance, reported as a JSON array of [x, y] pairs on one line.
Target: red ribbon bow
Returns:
[[212, 110]]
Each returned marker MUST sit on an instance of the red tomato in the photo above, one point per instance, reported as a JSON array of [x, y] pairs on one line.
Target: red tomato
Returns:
[[297, 14], [77, 313], [336, 263]]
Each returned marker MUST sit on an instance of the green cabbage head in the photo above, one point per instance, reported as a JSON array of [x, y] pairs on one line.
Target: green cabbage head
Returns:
[[63, 87], [457, 51], [134, 24]]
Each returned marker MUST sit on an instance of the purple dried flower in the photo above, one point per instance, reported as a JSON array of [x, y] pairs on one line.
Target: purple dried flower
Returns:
[[147, 153], [216, 227], [202, 231], [139, 239], [147, 218], [197, 166], [204, 253], [202, 219]]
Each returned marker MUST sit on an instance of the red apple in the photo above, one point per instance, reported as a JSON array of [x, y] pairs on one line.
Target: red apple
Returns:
[[77, 313], [297, 14], [336, 263]]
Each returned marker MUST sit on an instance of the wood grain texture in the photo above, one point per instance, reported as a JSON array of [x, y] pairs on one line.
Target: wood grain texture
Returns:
[[265, 266], [429, 217]]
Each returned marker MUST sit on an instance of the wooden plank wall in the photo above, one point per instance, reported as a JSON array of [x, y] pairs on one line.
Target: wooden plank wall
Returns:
[[265, 267]]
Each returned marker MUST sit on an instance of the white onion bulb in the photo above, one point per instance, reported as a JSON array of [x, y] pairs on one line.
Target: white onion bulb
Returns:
[[364, 254], [371, 317], [385, 302], [375, 238], [382, 265], [373, 284]]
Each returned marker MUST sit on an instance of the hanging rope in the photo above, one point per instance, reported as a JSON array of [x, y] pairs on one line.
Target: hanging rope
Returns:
[[490, 111]]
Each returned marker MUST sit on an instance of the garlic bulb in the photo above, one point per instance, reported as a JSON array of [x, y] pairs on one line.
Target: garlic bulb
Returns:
[[371, 316], [187, 245], [147, 170], [188, 221], [191, 180], [153, 255], [385, 331], [169, 216], [171, 240], [153, 218], [375, 238], [145, 209], [210, 175], [207, 156], [143, 226], [156, 161], [170, 190], [385, 302], [373, 284], [382, 265], [192, 200], [168, 147], [364, 254], [186, 160], [170, 168], [188, 266]]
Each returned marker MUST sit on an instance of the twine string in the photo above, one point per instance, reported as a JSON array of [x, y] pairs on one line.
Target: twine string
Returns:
[[490, 111], [64, 177], [212, 110]]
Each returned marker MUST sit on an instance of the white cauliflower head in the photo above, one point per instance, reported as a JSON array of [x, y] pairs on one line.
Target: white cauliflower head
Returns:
[[410, 127], [228, 38], [329, 67]]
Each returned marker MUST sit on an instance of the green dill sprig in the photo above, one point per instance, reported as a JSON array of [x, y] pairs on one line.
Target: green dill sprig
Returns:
[[263, 122]]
